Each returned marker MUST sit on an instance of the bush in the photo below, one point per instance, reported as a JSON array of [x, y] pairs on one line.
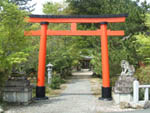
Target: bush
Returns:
[[113, 80], [56, 82], [143, 75]]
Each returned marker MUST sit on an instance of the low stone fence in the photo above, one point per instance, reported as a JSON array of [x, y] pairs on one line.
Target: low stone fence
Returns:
[[136, 87]]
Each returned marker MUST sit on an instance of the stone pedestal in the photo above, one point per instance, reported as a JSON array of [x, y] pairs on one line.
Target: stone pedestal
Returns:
[[18, 90], [123, 89], [85, 70], [118, 97]]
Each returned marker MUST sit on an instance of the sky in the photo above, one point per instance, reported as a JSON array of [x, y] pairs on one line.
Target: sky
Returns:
[[39, 3]]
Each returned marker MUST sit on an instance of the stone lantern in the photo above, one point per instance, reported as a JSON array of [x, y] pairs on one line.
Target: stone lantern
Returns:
[[49, 70]]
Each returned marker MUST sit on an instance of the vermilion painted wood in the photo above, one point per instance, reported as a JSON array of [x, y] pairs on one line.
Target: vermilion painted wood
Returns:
[[42, 56], [73, 26], [104, 53], [77, 20], [74, 33]]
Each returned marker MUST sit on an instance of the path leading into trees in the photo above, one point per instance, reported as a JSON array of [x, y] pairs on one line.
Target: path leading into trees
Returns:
[[76, 98]]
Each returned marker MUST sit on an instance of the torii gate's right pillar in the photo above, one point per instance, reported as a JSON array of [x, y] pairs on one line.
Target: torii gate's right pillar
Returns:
[[106, 89]]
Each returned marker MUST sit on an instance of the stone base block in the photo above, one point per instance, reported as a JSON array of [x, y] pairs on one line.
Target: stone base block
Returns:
[[17, 90], [85, 70], [17, 97], [117, 98]]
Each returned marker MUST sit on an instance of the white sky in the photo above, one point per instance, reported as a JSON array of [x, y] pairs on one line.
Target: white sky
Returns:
[[39, 6]]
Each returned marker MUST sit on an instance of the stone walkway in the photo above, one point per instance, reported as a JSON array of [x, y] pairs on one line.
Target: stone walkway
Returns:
[[76, 98]]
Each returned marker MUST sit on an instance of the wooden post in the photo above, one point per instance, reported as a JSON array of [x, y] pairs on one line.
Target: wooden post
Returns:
[[106, 89], [40, 89]]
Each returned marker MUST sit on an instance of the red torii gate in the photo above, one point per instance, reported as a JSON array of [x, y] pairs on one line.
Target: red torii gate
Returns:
[[103, 32]]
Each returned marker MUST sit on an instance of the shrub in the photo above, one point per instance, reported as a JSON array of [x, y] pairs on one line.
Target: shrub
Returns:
[[143, 75], [113, 80], [56, 81]]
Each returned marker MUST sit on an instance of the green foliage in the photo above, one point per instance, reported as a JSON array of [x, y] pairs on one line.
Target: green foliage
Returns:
[[117, 52], [65, 53], [135, 20], [143, 47], [62, 54], [119, 48], [143, 75], [12, 40], [52, 8], [18, 58], [56, 81], [142, 42], [147, 20], [113, 80], [96, 62]]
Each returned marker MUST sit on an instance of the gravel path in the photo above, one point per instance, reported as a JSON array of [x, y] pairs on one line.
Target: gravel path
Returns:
[[76, 98]]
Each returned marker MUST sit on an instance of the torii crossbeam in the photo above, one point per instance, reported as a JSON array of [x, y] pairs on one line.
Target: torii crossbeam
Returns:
[[103, 32]]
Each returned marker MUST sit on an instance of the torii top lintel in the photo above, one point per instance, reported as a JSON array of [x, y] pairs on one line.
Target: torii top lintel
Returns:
[[77, 18], [74, 19]]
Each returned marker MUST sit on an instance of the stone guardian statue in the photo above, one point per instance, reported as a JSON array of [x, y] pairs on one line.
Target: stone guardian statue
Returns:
[[127, 70], [122, 92]]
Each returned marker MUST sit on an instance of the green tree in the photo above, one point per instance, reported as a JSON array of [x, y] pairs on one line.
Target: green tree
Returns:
[[53, 8], [135, 20], [23, 4], [143, 47], [142, 42], [12, 40]]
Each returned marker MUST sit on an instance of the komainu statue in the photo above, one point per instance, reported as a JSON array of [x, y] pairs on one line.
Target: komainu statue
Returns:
[[122, 91], [127, 70]]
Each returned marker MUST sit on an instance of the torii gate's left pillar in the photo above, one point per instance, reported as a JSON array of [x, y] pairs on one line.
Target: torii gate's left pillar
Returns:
[[40, 89]]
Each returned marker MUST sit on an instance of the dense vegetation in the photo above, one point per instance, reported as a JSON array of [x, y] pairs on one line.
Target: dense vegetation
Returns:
[[20, 53], [135, 23], [12, 40]]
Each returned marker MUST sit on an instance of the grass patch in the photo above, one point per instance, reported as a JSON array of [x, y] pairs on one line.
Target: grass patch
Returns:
[[96, 86], [50, 91]]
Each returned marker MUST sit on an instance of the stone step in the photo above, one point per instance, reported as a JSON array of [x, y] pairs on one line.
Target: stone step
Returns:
[[17, 89], [15, 83]]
